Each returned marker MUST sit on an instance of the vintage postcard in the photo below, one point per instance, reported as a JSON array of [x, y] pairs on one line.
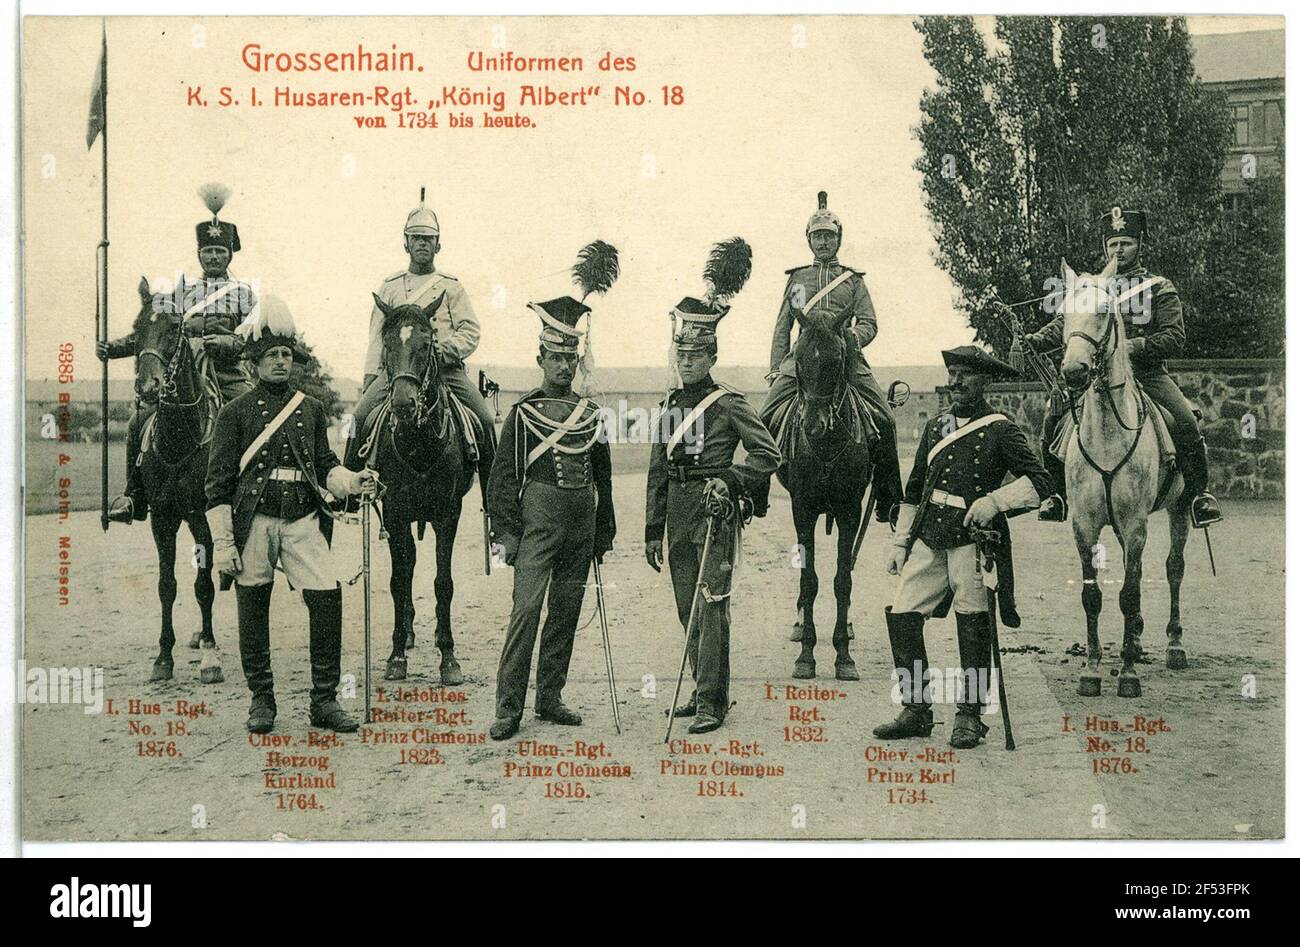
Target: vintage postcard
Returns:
[[669, 427]]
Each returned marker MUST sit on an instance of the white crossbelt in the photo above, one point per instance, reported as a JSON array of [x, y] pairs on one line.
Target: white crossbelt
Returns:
[[287, 473], [944, 498]]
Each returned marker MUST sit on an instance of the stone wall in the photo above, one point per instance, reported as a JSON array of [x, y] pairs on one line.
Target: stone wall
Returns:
[[1243, 408]]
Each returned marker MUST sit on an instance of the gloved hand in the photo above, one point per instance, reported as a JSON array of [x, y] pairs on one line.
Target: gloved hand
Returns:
[[982, 511], [101, 350], [225, 558], [654, 554], [894, 559]]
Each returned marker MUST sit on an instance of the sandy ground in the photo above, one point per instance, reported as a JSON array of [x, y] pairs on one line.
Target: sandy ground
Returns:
[[1209, 765]]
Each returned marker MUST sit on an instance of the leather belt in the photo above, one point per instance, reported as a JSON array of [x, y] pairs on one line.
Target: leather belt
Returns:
[[944, 498], [287, 473], [681, 473]]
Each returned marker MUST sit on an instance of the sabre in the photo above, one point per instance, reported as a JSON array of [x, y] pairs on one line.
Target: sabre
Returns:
[[1210, 549], [989, 574], [609, 655], [487, 544], [690, 624]]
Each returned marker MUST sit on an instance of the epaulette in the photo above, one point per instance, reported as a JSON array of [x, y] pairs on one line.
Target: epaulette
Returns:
[[531, 394], [853, 271], [796, 269], [398, 275], [730, 388]]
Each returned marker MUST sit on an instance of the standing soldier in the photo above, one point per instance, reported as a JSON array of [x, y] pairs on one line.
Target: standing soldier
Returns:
[[456, 336], [213, 307], [963, 457], [1153, 324], [826, 285], [552, 509], [268, 473], [692, 469]]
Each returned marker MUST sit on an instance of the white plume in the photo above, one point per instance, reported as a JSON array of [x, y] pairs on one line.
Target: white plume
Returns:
[[215, 196], [271, 314]]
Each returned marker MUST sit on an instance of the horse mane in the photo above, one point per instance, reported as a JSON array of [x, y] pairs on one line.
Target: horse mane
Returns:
[[163, 304]]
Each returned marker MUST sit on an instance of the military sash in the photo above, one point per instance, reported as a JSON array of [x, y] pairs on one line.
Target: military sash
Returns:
[[962, 432], [423, 288], [553, 438], [207, 301], [276, 423], [825, 290], [695, 414]]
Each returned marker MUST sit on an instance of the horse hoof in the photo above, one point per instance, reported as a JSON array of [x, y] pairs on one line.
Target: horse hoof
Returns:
[[1129, 686], [410, 640], [162, 670], [212, 675], [196, 639], [451, 673], [396, 669], [796, 632], [804, 670], [1176, 659], [846, 671], [1090, 685]]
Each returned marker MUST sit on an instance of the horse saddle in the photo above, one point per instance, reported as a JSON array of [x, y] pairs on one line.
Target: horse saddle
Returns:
[[1161, 420], [466, 421]]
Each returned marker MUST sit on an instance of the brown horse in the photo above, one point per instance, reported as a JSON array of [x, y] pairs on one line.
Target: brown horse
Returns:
[[422, 462], [174, 463], [1114, 473]]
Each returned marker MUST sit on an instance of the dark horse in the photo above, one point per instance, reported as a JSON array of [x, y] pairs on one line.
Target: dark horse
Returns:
[[173, 465], [422, 463], [826, 467]]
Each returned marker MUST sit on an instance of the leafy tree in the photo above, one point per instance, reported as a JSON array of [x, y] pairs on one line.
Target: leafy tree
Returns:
[[316, 380], [1027, 141]]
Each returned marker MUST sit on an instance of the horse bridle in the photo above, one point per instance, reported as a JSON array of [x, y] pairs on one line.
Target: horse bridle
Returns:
[[841, 391], [424, 409], [171, 365]]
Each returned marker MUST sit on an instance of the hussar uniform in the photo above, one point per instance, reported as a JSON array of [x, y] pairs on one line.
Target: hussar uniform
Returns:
[[211, 310], [456, 330], [270, 474], [695, 441], [831, 288], [550, 500], [961, 459], [1154, 327]]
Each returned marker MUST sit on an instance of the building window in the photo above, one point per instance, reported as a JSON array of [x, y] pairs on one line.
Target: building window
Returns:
[[1241, 125], [1273, 122]]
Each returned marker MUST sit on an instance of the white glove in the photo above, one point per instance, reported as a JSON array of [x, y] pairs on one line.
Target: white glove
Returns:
[[221, 523], [895, 559], [982, 511]]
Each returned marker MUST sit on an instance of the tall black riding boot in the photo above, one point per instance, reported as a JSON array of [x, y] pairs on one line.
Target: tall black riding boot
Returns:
[[973, 644], [487, 452], [907, 642], [886, 477], [133, 504], [254, 606], [1195, 463], [1054, 509], [325, 644]]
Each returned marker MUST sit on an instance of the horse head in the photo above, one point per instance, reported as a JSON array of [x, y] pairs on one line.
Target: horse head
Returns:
[[1091, 330], [159, 342], [821, 368], [408, 356]]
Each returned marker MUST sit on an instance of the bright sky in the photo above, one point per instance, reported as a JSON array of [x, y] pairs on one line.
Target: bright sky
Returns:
[[775, 109]]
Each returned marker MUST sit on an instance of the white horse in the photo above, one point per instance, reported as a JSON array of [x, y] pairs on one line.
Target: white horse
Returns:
[[1113, 470]]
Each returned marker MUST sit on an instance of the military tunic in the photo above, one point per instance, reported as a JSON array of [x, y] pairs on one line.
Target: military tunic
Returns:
[[456, 328], [277, 507], [1153, 324], [552, 513], [959, 460], [675, 507]]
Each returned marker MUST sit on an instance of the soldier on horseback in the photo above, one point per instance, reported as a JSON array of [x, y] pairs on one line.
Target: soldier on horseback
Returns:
[[213, 307], [456, 336], [828, 286], [268, 475], [1153, 323], [961, 461]]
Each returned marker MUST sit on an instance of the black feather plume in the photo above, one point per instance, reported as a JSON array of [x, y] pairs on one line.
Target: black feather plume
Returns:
[[597, 268], [730, 263]]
